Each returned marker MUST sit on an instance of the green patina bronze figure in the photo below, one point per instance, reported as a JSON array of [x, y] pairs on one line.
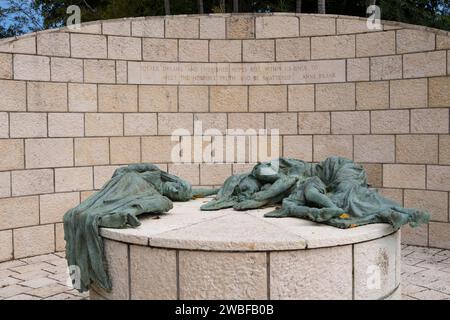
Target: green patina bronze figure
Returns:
[[334, 192]]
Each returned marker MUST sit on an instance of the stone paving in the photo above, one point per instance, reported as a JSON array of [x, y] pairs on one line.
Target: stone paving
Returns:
[[425, 276]]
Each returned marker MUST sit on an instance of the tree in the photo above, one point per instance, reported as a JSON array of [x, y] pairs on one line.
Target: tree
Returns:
[[321, 6], [298, 7]]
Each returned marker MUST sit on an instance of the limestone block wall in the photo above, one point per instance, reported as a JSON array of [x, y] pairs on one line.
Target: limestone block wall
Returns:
[[76, 104]]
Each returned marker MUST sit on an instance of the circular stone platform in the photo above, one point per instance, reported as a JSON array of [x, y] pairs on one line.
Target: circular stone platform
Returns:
[[190, 254]]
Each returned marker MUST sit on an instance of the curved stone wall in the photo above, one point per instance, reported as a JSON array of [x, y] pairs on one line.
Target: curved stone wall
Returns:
[[75, 104]]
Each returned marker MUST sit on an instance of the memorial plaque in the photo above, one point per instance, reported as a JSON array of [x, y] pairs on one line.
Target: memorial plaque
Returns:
[[236, 73]]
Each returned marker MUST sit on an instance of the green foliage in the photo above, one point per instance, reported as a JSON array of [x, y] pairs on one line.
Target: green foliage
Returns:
[[21, 16]]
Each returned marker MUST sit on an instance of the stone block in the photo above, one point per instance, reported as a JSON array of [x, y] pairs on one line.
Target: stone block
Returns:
[[332, 145], [225, 51], [117, 98], [66, 70], [51, 97], [4, 125], [12, 154], [212, 28], [193, 50], [404, 176], [103, 124], [258, 50], [375, 44], [182, 27], [244, 122], [31, 68], [375, 274], [214, 275], [298, 147], [53, 44], [429, 121], [189, 172], [153, 28], [153, 273], [125, 150], [6, 66], [417, 149], [26, 45], [99, 71], [169, 123], [276, 27], [240, 27], [438, 178], [393, 194], [444, 149], [33, 241], [329, 274], [333, 47], [60, 243], [28, 125], [88, 46], [214, 174], [386, 68], [439, 95], [13, 95], [228, 99], [409, 40], [65, 125], [6, 250], [193, 98], [160, 49], [116, 256], [124, 48], [435, 202], [268, 98], [159, 149], [285, 123], [74, 179], [344, 26], [5, 184], [29, 182], [358, 69], [426, 64], [91, 151], [317, 26], [211, 123], [301, 97], [415, 236], [117, 27], [121, 72], [374, 148], [82, 97], [372, 95], [314, 122], [350, 122], [442, 42], [19, 212], [439, 235], [158, 98], [47, 153], [54, 206], [92, 28], [374, 174], [293, 49], [409, 93], [102, 175], [336, 96], [140, 124], [390, 121]]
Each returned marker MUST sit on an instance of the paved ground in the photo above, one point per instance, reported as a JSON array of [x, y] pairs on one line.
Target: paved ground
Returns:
[[425, 275]]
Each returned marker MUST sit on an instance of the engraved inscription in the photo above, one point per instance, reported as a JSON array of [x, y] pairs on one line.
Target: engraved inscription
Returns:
[[236, 73]]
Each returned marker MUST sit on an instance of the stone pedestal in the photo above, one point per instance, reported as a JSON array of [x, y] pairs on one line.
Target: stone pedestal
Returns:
[[190, 254]]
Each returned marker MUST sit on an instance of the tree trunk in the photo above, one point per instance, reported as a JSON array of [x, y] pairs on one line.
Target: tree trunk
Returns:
[[167, 6], [321, 6], [298, 6], [200, 6], [235, 5], [222, 6]]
